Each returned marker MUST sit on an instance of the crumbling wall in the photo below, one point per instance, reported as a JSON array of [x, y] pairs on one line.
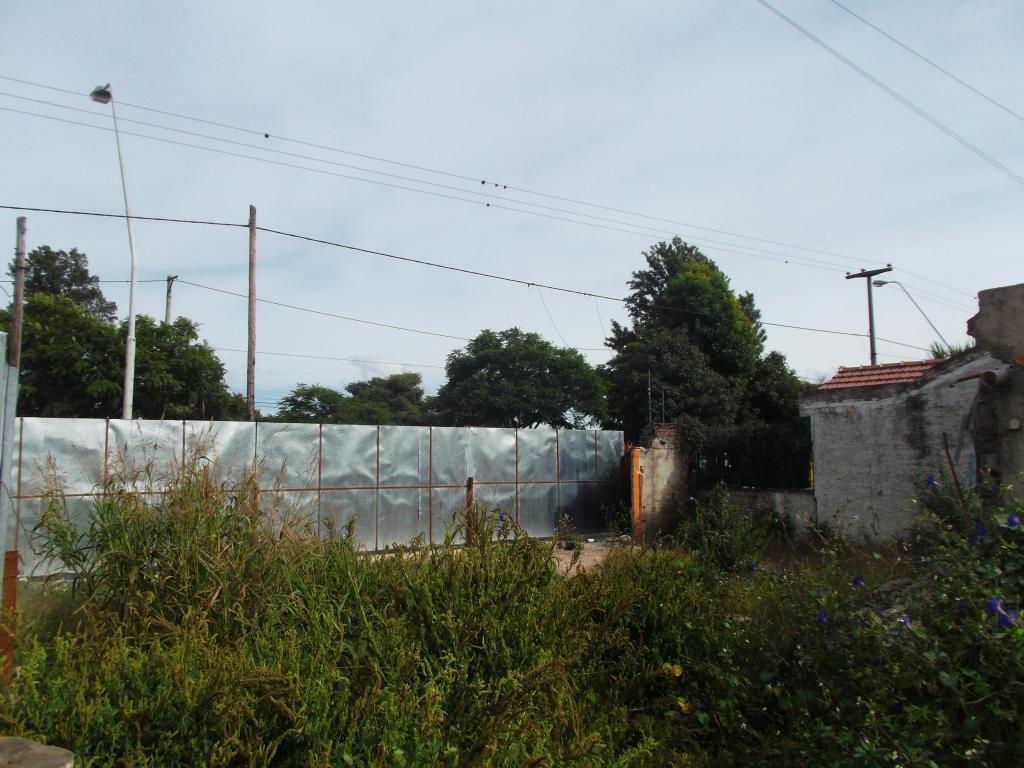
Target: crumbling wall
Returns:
[[797, 508], [874, 447], [663, 484], [999, 328]]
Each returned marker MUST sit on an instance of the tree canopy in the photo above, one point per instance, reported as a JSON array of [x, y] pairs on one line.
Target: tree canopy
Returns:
[[72, 359], [516, 379], [702, 347], [391, 400], [66, 273]]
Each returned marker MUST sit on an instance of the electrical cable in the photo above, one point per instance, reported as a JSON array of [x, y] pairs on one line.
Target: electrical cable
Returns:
[[714, 244], [896, 95], [550, 317], [931, 63], [653, 230], [463, 177], [327, 314], [425, 169], [325, 357], [459, 269]]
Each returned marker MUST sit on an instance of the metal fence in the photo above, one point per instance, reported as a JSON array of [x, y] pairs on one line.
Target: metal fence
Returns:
[[391, 483]]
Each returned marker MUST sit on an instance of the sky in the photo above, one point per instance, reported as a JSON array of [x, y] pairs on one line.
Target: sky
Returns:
[[716, 121]]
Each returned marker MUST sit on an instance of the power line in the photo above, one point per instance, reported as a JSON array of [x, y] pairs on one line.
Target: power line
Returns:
[[931, 63], [713, 245], [709, 244], [325, 357], [485, 182], [426, 169], [552, 319], [328, 314], [462, 190], [432, 264], [896, 95]]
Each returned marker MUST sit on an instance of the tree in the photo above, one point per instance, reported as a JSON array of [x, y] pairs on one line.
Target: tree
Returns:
[[516, 379], [66, 273], [702, 347], [391, 400], [72, 365]]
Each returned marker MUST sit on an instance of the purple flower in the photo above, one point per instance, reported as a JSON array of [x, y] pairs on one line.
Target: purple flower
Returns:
[[1013, 521], [994, 605], [822, 617], [905, 620], [932, 480], [1007, 618], [979, 531], [502, 517], [858, 580]]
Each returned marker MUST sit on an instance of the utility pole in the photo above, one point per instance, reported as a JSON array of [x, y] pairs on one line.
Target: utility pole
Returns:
[[167, 306], [250, 369], [867, 274], [9, 582]]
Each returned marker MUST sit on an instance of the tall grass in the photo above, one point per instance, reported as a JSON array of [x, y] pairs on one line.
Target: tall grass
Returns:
[[203, 636]]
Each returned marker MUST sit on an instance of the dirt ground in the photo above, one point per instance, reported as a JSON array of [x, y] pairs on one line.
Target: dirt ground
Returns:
[[594, 553]]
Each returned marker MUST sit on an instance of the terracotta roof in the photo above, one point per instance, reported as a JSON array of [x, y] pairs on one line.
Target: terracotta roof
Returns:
[[875, 375]]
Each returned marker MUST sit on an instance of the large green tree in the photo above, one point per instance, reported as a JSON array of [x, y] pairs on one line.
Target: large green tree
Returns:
[[72, 364], [392, 400], [66, 273], [701, 347], [515, 379]]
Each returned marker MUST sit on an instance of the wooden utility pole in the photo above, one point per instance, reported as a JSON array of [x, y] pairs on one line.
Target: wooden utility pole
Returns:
[[250, 370], [19, 295], [167, 305], [867, 274], [9, 586]]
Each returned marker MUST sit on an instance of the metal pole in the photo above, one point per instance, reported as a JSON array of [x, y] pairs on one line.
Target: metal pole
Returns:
[[167, 305], [250, 369], [9, 548], [867, 274], [129, 347], [871, 324]]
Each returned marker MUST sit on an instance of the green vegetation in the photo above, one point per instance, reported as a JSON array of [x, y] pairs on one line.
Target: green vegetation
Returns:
[[193, 633], [72, 361], [699, 347], [516, 379], [396, 399]]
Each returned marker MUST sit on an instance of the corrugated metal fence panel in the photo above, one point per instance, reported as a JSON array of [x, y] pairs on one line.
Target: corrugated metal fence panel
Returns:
[[147, 454], [390, 484], [288, 456], [227, 447], [70, 451], [349, 457]]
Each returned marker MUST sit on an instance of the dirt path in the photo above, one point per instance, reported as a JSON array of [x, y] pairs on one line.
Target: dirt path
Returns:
[[594, 553]]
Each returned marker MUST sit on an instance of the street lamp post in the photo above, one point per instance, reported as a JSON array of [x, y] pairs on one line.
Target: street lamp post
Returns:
[[880, 283], [103, 95]]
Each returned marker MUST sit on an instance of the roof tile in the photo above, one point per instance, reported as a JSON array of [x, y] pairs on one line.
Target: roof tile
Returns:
[[876, 375]]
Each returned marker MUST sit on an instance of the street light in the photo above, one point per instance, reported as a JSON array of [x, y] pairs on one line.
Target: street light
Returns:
[[102, 94], [880, 283]]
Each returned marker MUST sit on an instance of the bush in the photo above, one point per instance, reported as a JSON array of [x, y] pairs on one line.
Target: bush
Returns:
[[204, 636]]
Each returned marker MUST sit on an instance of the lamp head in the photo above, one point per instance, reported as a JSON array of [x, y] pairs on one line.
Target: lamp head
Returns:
[[880, 283], [101, 94]]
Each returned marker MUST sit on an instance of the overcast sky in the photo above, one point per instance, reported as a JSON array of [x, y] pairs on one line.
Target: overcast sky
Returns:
[[716, 114]]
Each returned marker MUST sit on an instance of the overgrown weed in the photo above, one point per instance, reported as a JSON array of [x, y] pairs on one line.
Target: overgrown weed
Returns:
[[206, 637]]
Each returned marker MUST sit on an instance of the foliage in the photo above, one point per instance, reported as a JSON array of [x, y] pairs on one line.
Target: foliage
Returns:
[[72, 364], [206, 637], [516, 379], [66, 273], [700, 349], [722, 537], [396, 399], [942, 352]]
